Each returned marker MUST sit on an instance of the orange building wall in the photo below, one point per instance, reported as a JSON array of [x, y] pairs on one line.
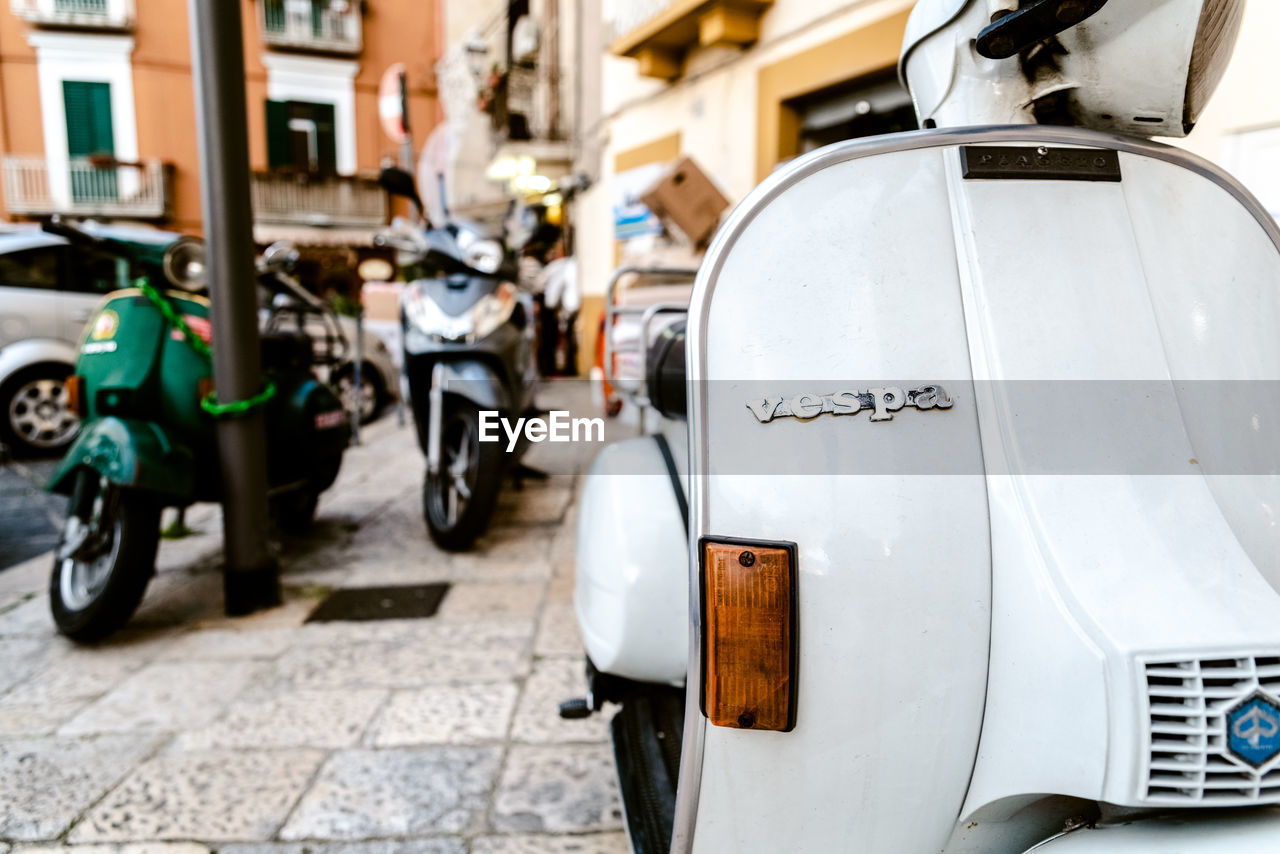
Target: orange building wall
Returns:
[[394, 31]]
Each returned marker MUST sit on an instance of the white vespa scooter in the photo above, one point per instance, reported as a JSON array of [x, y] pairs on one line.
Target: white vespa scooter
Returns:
[[982, 552]]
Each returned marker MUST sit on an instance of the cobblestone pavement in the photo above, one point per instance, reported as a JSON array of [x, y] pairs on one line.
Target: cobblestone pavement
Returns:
[[189, 732]]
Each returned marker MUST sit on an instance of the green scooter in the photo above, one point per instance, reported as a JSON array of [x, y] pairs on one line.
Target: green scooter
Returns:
[[143, 386]]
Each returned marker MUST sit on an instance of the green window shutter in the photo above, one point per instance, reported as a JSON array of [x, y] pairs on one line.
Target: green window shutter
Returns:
[[88, 108], [273, 15], [279, 146], [317, 17], [328, 137]]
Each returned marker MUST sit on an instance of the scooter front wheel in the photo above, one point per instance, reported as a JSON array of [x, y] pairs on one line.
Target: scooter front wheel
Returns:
[[458, 500], [104, 559]]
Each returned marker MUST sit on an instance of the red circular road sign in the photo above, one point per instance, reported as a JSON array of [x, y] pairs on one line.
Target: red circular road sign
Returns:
[[391, 104]]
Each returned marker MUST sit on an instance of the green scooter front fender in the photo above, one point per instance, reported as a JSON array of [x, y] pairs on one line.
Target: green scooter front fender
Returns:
[[130, 453]]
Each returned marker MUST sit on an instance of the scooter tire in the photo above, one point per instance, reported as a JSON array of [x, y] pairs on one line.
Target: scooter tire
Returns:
[[136, 537], [461, 535]]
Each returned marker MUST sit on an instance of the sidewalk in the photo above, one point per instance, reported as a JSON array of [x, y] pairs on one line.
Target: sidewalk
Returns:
[[191, 732]]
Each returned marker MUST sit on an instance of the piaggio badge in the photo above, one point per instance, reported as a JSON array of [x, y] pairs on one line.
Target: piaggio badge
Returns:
[[882, 402]]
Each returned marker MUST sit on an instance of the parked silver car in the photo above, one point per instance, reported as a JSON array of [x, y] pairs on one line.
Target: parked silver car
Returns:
[[47, 292]]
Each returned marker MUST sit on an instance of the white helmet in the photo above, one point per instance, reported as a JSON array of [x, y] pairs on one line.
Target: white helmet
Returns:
[[1139, 67]]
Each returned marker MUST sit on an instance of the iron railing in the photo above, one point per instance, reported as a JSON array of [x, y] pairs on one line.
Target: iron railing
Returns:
[[327, 26], [79, 14], [281, 197], [85, 187]]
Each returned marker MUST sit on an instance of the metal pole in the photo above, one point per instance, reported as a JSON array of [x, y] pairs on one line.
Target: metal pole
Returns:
[[358, 378], [251, 577], [406, 147]]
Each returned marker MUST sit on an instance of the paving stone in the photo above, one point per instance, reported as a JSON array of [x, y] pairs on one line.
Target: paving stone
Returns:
[[208, 796], [19, 658], [535, 505], [446, 714], [403, 664], [56, 693], [558, 632], [31, 618], [560, 590], [128, 848], [230, 643], [296, 719], [505, 545], [179, 597], [471, 601], [537, 720], [292, 614], [442, 845], [46, 782], [364, 794], [556, 789], [391, 571], [593, 843], [430, 631], [534, 569], [167, 696]]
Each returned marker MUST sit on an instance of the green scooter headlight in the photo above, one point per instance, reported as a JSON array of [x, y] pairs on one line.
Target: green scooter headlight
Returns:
[[184, 264]]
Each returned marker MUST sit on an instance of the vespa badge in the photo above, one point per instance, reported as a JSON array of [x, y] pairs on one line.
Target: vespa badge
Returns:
[[1254, 729], [882, 402]]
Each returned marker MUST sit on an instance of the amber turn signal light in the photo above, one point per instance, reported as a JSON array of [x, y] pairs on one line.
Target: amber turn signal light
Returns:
[[749, 634], [75, 395]]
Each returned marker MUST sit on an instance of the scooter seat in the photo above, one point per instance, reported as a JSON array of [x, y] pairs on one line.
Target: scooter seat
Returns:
[[286, 351], [667, 375]]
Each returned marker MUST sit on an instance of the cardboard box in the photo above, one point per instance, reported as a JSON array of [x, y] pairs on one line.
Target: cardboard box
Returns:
[[688, 199], [381, 300]]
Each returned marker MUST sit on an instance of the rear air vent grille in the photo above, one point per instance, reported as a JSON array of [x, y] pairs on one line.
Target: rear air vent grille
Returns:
[[1190, 760]]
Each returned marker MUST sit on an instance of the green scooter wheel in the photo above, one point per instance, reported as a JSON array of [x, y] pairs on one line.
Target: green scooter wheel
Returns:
[[104, 559]]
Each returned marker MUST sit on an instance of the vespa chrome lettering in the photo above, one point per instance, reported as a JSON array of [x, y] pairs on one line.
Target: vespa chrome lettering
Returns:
[[882, 402]]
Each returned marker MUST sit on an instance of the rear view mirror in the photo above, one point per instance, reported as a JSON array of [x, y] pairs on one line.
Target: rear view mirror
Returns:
[[398, 182]]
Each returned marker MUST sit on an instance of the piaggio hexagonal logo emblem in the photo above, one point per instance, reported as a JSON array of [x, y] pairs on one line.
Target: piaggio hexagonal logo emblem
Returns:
[[1253, 729]]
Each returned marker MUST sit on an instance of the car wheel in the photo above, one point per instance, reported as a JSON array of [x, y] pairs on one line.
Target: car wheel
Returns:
[[370, 397], [35, 415]]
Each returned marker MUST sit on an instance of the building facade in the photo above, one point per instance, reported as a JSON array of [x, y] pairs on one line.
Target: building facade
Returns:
[[97, 113], [508, 82], [742, 86]]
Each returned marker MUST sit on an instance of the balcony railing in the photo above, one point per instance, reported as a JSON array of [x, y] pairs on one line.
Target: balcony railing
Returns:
[[76, 14], [85, 187], [325, 26], [280, 197]]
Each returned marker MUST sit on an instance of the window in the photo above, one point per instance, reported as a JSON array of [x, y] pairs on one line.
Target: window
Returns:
[[868, 107], [301, 137], [89, 133], [32, 268], [92, 272], [88, 107]]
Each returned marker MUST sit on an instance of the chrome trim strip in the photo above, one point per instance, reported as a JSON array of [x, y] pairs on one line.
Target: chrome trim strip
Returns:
[[690, 781]]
